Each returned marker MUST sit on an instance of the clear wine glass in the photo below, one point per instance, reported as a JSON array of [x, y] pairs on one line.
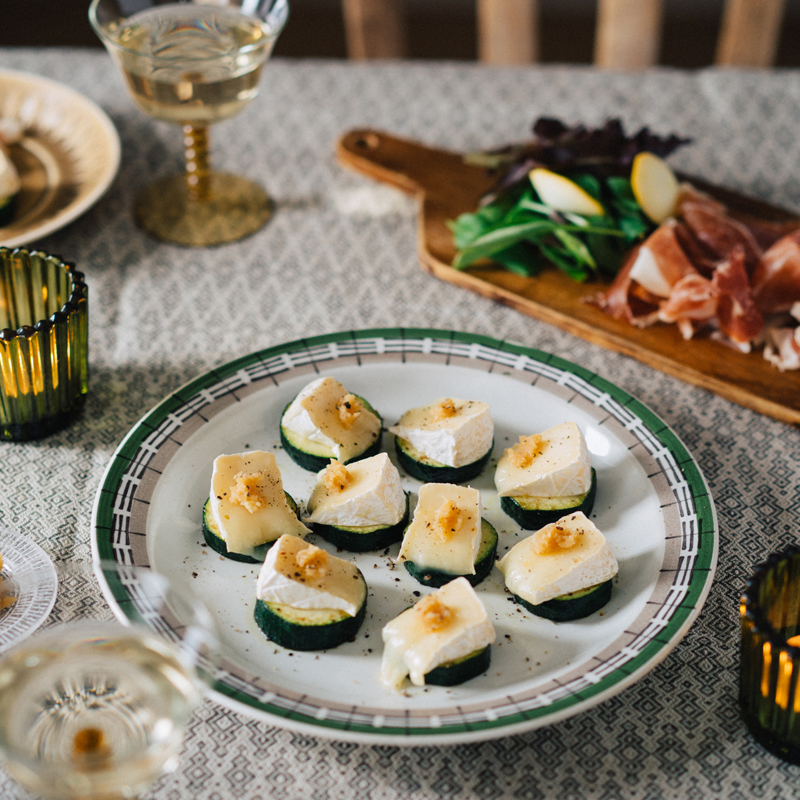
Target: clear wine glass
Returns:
[[193, 64], [96, 710]]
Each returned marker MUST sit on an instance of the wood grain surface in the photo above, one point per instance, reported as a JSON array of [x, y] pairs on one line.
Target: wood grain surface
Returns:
[[445, 187]]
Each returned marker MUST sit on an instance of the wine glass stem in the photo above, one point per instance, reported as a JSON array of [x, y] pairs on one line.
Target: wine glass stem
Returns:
[[197, 153]]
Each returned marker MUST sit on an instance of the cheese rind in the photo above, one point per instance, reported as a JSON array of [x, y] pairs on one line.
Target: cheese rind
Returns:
[[315, 415], [282, 579], [242, 529], [413, 649], [560, 469], [554, 571], [373, 496], [451, 439], [428, 545]]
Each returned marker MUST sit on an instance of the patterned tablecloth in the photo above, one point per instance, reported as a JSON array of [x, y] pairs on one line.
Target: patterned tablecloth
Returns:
[[340, 254]]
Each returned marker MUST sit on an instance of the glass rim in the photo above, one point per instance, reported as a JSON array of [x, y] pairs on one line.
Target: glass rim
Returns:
[[753, 611], [79, 293], [273, 33]]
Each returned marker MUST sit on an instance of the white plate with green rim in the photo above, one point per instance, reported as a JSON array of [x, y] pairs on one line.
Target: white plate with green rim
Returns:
[[652, 503]]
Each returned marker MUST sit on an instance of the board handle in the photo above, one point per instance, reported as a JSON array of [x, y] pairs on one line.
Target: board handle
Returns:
[[407, 165]]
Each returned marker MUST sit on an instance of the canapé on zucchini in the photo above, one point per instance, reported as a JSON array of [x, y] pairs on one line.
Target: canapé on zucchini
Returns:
[[533, 513], [315, 456], [212, 537], [484, 561], [308, 629], [444, 639], [363, 538], [563, 571], [572, 606], [459, 670], [425, 469], [447, 441], [307, 598]]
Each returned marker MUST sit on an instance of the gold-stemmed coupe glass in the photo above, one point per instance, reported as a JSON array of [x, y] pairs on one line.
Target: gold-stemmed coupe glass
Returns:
[[194, 64], [96, 710]]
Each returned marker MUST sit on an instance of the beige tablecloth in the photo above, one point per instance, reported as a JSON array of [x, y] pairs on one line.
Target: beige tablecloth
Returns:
[[340, 254]]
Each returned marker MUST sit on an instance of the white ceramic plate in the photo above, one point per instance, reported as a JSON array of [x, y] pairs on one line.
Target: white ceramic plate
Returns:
[[652, 503], [68, 156], [29, 574]]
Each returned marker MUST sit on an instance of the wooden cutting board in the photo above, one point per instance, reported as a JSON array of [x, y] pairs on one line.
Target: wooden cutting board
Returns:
[[445, 187]]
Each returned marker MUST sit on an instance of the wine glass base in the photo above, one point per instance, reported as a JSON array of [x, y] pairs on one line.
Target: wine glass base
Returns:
[[236, 208]]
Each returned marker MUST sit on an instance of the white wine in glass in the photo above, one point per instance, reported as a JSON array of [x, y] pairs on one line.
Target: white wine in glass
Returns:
[[193, 64], [97, 710]]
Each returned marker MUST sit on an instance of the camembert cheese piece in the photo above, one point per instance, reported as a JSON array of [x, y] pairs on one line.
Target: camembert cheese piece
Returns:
[[364, 493], [445, 533], [248, 502], [554, 463], [562, 557], [326, 413], [450, 431], [301, 575], [446, 625]]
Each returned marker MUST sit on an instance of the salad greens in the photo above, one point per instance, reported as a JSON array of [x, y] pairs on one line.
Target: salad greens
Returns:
[[514, 228]]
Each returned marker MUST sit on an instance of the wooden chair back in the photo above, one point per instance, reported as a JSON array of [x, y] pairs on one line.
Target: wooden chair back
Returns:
[[628, 34]]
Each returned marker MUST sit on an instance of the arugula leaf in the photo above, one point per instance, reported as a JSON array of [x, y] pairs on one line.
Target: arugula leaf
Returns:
[[520, 258], [520, 232], [499, 239]]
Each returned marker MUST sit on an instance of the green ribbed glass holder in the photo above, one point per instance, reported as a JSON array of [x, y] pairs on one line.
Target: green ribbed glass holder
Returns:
[[769, 678], [44, 344]]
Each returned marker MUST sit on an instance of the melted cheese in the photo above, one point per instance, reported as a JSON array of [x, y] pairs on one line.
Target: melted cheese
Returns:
[[563, 557], [446, 625], [554, 463], [248, 502], [300, 575], [371, 495], [445, 533], [326, 413], [450, 431]]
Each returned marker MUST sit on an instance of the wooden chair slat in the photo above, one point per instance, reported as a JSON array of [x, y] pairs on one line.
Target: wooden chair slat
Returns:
[[628, 34], [375, 28], [508, 31], [749, 33]]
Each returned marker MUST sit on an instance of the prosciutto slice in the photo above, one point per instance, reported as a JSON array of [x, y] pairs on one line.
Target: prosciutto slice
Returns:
[[782, 349], [621, 302], [661, 261], [719, 233], [692, 303], [737, 315], [776, 279]]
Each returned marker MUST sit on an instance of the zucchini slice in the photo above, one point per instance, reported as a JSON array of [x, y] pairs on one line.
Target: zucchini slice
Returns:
[[425, 469], [363, 538], [308, 629], [215, 541], [314, 456], [484, 561], [533, 513], [461, 669], [574, 605]]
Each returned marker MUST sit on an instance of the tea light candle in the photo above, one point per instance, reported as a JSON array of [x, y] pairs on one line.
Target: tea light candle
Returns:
[[769, 685], [44, 339]]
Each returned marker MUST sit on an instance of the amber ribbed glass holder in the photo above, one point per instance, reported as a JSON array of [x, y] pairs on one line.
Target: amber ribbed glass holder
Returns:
[[44, 344], [769, 683]]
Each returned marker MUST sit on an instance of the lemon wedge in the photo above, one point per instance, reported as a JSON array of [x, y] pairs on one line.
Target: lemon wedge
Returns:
[[655, 186], [562, 194]]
